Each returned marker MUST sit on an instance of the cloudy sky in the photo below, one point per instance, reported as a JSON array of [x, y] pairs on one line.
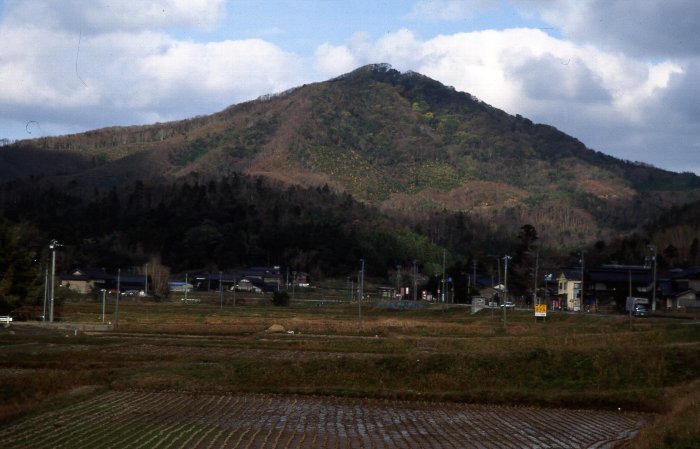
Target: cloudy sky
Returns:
[[623, 76]]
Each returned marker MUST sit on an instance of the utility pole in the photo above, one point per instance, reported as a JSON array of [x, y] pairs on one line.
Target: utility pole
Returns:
[[629, 298], [652, 248], [444, 279], [398, 282], [145, 283], [362, 288], [46, 292], [498, 269], [103, 292], [52, 246], [186, 288], [506, 258], [116, 304], [535, 300], [582, 271], [221, 289], [415, 279]]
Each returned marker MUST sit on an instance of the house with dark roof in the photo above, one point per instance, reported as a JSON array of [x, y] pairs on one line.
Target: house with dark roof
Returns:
[[610, 285], [679, 289], [250, 279], [88, 280], [85, 281], [212, 281]]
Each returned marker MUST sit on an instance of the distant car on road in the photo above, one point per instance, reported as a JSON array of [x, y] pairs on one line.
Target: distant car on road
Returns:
[[508, 305]]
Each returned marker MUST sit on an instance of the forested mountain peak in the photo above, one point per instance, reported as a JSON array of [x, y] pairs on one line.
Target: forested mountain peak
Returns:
[[401, 141]]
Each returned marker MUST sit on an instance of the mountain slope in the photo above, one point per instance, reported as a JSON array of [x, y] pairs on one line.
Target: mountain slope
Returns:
[[404, 142]]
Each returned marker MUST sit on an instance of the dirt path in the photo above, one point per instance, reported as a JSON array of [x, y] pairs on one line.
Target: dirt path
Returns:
[[134, 419]]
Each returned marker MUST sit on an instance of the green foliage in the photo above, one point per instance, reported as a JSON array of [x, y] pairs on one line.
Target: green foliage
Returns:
[[280, 299], [439, 175], [232, 222], [20, 269], [190, 153]]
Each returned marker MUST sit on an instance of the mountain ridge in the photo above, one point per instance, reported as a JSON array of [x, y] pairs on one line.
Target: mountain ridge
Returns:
[[401, 141]]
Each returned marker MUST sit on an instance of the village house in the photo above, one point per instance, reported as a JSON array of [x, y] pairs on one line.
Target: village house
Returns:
[[679, 289], [89, 280], [84, 281], [568, 290], [250, 279], [610, 285]]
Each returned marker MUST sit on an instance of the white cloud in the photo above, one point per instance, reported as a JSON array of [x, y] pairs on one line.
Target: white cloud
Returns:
[[53, 74], [334, 59], [230, 68]]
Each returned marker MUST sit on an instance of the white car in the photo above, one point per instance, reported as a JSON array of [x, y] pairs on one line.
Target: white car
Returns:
[[508, 305]]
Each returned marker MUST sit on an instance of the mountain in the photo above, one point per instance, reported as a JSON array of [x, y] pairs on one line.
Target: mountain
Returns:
[[402, 142]]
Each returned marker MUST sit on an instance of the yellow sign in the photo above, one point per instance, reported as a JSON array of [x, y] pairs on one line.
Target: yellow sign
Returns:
[[540, 309]]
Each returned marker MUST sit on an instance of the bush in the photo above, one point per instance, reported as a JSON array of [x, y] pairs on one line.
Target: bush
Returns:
[[280, 299]]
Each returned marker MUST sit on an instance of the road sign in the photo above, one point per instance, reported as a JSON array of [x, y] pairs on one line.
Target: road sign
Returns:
[[540, 309]]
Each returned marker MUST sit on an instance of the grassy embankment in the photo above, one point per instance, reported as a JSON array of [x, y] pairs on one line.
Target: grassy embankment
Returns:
[[430, 354]]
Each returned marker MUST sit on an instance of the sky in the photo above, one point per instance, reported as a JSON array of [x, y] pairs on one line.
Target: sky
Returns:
[[622, 76]]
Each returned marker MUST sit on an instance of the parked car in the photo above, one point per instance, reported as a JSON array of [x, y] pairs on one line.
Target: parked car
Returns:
[[508, 305], [640, 310]]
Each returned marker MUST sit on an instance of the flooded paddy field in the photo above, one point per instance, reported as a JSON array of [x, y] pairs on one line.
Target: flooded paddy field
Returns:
[[136, 419]]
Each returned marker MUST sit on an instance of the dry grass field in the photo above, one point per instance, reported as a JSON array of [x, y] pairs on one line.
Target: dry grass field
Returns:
[[395, 378]]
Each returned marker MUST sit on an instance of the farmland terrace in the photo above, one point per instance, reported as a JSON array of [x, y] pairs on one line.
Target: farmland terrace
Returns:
[[204, 375]]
